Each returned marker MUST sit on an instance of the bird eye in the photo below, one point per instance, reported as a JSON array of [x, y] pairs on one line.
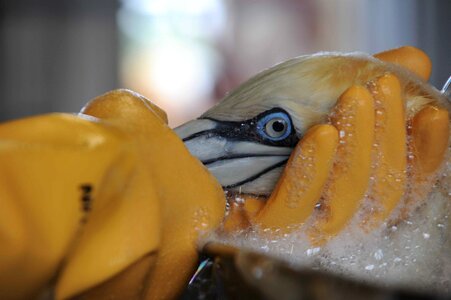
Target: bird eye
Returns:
[[275, 126]]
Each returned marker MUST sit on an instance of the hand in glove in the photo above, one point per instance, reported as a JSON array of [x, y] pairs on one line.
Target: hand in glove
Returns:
[[109, 203], [362, 151]]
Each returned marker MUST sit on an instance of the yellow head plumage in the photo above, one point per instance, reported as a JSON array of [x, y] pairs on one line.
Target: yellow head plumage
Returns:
[[308, 87], [229, 137]]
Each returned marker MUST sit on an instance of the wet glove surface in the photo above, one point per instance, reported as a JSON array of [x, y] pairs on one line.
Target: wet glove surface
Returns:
[[369, 152], [110, 201]]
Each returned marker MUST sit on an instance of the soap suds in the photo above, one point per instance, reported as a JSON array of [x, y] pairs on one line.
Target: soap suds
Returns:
[[412, 253]]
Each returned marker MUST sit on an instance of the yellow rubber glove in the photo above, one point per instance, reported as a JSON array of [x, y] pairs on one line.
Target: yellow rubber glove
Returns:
[[390, 150], [53, 170], [120, 194], [301, 184], [429, 135], [430, 131], [410, 58], [339, 155], [191, 202], [353, 116], [370, 159]]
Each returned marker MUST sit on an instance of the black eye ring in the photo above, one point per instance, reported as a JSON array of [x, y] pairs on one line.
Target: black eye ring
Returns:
[[256, 129]]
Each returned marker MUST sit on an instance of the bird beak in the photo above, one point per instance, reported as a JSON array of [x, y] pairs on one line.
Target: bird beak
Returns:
[[231, 153]]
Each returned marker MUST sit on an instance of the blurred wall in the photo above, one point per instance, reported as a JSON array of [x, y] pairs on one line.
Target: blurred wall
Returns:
[[55, 54], [266, 32], [185, 55], [434, 37]]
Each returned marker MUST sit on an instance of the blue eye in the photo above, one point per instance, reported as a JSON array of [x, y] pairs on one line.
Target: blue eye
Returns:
[[275, 126]]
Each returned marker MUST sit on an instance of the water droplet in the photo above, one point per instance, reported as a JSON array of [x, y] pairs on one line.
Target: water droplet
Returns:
[[379, 254], [312, 251], [369, 267]]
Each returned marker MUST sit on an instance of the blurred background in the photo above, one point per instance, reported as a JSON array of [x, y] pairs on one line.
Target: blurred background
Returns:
[[55, 55]]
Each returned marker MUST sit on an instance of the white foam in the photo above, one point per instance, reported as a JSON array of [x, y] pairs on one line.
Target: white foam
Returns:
[[414, 253]]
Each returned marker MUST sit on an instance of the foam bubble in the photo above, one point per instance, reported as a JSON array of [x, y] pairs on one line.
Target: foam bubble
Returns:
[[411, 252]]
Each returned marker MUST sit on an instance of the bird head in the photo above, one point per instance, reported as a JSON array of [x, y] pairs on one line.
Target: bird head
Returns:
[[246, 139]]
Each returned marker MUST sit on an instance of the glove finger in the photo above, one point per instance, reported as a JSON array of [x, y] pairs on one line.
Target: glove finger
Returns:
[[430, 133], [410, 58], [114, 238], [429, 142], [252, 205], [191, 200], [235, 219], [353, 116], [242, 212], [300, 186], [390, 151], [127, 284], [49, 177]]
